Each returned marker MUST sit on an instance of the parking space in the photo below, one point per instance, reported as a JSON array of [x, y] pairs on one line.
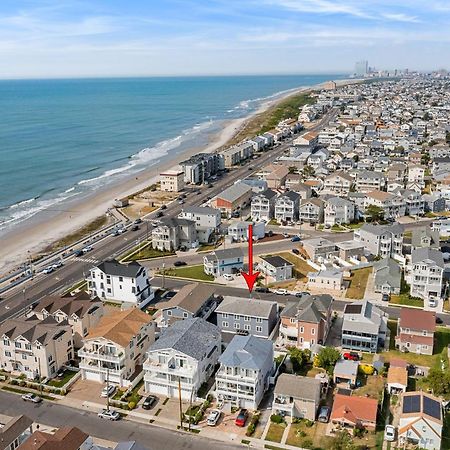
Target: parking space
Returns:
[[334, 335], [84, 390]]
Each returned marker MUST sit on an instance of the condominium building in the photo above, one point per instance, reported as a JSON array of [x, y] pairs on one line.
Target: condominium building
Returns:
[[385, 241], [263, 205]]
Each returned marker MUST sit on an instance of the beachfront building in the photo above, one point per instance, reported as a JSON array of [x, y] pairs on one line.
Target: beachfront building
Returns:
[[35, 348], [174, 233], [199, 168], [120, 283], [182, 359], [207, 221], [233, 199], [172, 180], [114, 350]]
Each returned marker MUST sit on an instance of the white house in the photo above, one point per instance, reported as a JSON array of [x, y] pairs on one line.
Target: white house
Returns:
[[263, 205], [121, 283], [239, 230], [207, 221], [286, 207], [219, 262], [185, 355], [338, 211], [326, 279], [276, 267]]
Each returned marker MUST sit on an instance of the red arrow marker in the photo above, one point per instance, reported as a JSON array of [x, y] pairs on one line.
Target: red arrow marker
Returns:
[[250, 277]]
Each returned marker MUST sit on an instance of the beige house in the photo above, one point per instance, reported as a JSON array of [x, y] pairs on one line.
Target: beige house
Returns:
[[116, 347], [81, 312], [172, 181], [33, 347]]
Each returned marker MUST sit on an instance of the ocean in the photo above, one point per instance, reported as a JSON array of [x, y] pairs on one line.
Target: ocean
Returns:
[[64, 138]]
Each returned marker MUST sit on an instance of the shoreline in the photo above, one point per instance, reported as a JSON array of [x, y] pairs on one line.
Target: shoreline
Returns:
[[39, 232]]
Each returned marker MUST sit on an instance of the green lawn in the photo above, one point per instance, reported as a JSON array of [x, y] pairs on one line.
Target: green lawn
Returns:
[[60, 382], [194, 272], [145, 252], [358, 283], [301, 267], [275, 432], [405, 299], [133, 396]]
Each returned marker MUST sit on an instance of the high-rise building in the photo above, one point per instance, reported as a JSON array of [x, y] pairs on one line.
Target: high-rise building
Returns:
[[361, 68]]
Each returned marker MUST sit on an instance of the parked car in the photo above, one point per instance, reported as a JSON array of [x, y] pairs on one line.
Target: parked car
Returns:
[[138, 221], [389, 433], [295, 238], [281, 292], [57, 265], [78, 253], [385, 297], [262, 289], [228, 277], [285, 235], [439, 320], [135, 228], [163, 207], [109, 414], [33, 398], [179, 263], [87, 249], [352, 356], [241, 418], [324, 414], [48, 270], [295, 251], [149, 402], [213, 417], [159, 213], [107, 391]]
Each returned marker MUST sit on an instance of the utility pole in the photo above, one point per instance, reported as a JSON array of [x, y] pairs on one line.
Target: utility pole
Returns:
[[163, 274], [40, 375], [181, 406], [107, 388]]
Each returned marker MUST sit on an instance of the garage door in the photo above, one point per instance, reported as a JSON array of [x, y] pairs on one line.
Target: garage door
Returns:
[[93, 376]]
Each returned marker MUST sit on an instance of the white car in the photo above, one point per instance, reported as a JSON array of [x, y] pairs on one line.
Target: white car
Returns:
[[213, 417], [109, 414], [228, 277], [48, 270], [107, 391], [57, 265], [88, 248], [281, 292], [389, 433], [32, 398]]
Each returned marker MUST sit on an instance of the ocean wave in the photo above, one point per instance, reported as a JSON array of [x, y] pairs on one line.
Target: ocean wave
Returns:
[[22, 203]]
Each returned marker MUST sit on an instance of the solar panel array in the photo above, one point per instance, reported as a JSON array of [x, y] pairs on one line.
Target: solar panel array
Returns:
[[411, 404], [431, 407], [353, 308]]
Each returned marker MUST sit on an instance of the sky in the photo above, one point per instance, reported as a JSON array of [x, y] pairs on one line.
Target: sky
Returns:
[[82, 38]]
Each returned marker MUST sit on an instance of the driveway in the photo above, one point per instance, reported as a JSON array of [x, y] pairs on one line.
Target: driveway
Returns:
[[84, 390]]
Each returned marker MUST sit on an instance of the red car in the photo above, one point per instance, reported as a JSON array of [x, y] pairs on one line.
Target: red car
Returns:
[[351, 356], [241, 418]]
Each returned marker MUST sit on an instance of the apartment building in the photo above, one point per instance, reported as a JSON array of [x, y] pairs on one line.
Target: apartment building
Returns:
[[81, 312], [393, 205], [199, 168], [385, 241], [114, 350], [367, 181], [338, 183], [174, 233], [207, 221], [182, 359], [246, 366], [35, 348], [263, 205], [364, 327], [311, 211], [120, 283], [286, 207], [415, 331], [172, 181], [338, 211], [237, 315]]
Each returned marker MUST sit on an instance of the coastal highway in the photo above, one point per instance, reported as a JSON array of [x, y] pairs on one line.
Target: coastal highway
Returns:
[[54, 415]]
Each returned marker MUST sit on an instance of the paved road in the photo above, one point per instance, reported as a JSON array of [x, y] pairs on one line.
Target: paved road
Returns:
[[75, 268]]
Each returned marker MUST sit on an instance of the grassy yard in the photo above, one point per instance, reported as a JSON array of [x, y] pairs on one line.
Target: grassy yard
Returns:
[[195, 272], [144, 251], [275, 432], [301, 267], [60, 382], [300, 435], [133, 396], [405, 299], [373, 386], [358, 283]]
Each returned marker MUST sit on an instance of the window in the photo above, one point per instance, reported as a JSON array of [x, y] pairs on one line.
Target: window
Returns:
[[6, 342], [24, 356], [225, 324], [259, 329], [246, 327], [133, 290], [27, 346], [109, 291], [120, 279], [18, 345], [185, 314], [169, 313], [259, 319], [236, 317], [247, 318], [302, 329], [224, 315], [8, 354], [237, 326], [313, 331], [292, 320]]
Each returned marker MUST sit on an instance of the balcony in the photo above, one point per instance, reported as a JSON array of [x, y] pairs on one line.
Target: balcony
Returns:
[[102, 356], [289, 331], [100, 369], [236, 378], [152, 366]]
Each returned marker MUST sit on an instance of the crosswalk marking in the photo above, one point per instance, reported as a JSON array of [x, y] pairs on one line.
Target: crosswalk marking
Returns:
[[88, 260]]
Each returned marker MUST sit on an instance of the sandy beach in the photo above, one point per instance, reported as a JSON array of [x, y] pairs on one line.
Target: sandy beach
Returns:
[[39, 232]]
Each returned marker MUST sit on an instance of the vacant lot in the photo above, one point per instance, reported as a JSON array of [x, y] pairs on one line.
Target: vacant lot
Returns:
[[358, 282], [275, 432], [195, 272], [405, 299], [301, 267]]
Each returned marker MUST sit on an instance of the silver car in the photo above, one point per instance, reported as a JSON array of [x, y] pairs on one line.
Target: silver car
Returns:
[[109, 414]]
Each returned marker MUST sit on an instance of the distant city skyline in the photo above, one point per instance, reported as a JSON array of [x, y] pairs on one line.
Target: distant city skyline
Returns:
[[75, 38]]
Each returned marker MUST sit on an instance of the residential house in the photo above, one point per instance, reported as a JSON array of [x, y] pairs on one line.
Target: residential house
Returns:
[[415, 331], [364, 327], [239, 230], [172, 181], [207, 221], [338, 211], [426, 275], [238, 315], [350, 250], [413, 202], [294, 183], [296, 397], [424, 237], [67, 438], [397, 380], [121, 283], [182, 359], [352, 411], [338, 183], [346, 371], [330, 279], [387, 276], [433, 203], [80, 312], [420, 421], [114, 350], [35, 348], [192, 300], [368, 181], [416, 175], [15, 431], [286, 207], [173, 233], [385, 241], [319, 249], [219, 262], [393, 205], [263, 205], [311, 211], [233, 199], [276, 267], [246, 366], [306, 322], [275, 175]]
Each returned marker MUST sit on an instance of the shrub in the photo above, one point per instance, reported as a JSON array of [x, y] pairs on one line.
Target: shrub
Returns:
[[276, 418], [307, 443], [250, 429], [309, 423], [366, 369], [131, 405]]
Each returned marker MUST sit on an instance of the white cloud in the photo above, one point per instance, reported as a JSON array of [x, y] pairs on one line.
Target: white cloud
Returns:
[[400, 17]]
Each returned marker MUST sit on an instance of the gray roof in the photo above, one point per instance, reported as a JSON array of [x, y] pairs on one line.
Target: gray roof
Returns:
[[247, 352], [113, 267], [362, 316], [234, 192], [387, 271], [190, 297], [130, 445], [430, 254], [346, 367], [311, 308], [193, 337], [200, 210], [246, 307], [379, 230], [338, 201], [268, 193], [228, 253], [276, 261], [291, 195], [419, 233], [13, 429], [304, 388], [175, 222]]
